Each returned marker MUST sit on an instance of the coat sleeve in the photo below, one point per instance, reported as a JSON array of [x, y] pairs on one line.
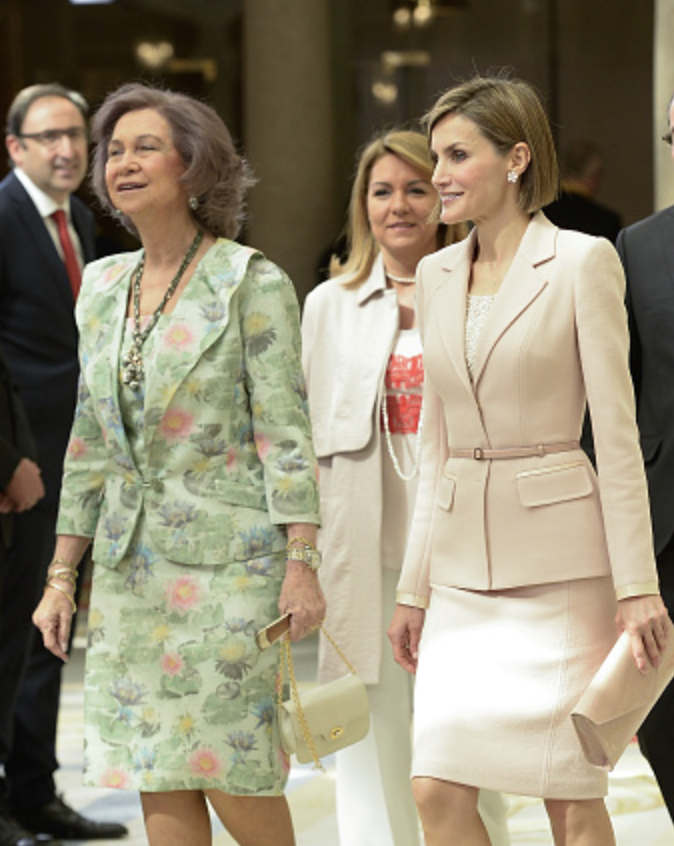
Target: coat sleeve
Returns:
[[21, 445], [270, 329], [414, 583], [603, 342], [83, 471]]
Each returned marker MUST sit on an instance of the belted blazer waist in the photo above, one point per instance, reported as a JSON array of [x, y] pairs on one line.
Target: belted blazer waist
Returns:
[[484, 453]]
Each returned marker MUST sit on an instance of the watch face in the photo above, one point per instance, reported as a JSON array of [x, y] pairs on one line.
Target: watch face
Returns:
[[310, 557]]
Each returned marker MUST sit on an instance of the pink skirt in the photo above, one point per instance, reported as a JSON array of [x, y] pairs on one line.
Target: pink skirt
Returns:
[[499, 674]]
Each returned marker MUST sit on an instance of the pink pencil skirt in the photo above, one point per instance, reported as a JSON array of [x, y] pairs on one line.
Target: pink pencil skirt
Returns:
[[499, 674]]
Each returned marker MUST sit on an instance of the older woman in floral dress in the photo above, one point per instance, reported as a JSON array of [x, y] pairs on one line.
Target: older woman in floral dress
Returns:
[[191, 468]]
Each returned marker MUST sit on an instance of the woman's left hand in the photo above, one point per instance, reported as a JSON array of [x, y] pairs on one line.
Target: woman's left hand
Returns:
[[302, 598], [646, 621]]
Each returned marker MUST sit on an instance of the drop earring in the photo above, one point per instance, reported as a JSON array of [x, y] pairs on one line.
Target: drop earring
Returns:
[[193, 203], [512, 176]]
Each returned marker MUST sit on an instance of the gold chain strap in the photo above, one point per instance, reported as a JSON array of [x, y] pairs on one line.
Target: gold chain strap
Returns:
[[287, 660]]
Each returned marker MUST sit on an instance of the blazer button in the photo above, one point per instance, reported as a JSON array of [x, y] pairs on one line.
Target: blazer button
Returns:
[[157, 486]]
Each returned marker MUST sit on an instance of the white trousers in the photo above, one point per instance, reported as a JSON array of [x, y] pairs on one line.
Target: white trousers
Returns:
[[375, 806]]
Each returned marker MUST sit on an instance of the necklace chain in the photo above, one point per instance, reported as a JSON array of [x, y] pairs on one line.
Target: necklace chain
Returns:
[[403, 280], [133, 360], [406, 477]]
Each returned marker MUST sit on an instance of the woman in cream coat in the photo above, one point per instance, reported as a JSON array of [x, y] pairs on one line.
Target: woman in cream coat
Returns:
[[521, 554], [360, 341]]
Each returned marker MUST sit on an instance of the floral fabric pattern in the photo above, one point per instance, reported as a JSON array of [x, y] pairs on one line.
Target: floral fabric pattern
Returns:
[[178, 696], [227, 454], [186, 486]]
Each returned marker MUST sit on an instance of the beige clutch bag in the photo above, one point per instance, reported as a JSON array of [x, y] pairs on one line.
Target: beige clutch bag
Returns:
[[617, 702]]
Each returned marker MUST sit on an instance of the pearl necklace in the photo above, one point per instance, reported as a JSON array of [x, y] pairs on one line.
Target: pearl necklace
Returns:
[[403, 280], [406, 477], [133, 361]]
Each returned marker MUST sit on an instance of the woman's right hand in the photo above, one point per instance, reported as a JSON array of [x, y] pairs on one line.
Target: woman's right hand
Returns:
[[405, 634], [53, 617]]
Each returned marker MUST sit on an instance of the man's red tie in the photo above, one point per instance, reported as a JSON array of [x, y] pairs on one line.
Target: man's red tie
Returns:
[[69, 257]]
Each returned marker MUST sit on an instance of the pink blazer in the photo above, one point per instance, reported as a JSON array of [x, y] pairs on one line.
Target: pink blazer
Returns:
[[556, 336]]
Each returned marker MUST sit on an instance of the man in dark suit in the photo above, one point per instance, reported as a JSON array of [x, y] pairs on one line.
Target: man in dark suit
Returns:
[[46, 236], [576, 207], [647, 253], [20, 489]]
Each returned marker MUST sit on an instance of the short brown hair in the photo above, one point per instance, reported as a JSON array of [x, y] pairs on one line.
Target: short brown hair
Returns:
[[215, 173], [412, 148], [27, 96], [507, 112]]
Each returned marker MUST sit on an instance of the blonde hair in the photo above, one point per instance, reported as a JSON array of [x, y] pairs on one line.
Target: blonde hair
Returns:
[[412, 148], [507, 112]]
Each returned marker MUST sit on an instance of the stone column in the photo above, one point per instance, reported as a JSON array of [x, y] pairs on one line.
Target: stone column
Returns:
[[289, 133], [663, 88]]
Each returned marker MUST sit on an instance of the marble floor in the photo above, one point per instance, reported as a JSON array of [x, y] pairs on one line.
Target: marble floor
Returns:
[[634, 801]]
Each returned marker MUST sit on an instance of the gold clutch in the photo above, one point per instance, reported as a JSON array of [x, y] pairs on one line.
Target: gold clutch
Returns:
[[618, 701]]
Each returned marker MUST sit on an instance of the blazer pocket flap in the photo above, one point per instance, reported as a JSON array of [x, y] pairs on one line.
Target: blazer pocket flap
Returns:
[[445, 494], [553, 484]]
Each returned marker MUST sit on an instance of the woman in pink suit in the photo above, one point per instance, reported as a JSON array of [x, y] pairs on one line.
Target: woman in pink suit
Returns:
[[520, 557]]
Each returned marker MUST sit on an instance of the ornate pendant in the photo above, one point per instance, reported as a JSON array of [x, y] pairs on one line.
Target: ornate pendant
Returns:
[[133, 368]]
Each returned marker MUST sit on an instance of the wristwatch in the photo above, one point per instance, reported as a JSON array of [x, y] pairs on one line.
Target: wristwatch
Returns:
[[311, 557]]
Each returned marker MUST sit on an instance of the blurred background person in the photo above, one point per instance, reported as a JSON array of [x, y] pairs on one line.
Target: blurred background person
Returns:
[[20, 479], [647, 252], [364, 369], [191, 468], [46, 237], [576, 206], [523, 564]]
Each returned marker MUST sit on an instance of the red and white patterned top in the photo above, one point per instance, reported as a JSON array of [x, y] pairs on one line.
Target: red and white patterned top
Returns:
[[403, 384]]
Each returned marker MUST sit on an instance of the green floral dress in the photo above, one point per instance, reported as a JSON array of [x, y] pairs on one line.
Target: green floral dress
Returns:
[[178, 696]]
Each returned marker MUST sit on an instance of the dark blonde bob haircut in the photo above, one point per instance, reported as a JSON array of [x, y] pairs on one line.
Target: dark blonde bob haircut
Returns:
[[362, 249], [507, 112], [215, 173]]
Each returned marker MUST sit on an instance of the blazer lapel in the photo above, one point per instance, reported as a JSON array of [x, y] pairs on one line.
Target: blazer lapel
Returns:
[[664, 245], [198, 321], [521, 286], [102, 325], [448, 305], [55, 269]]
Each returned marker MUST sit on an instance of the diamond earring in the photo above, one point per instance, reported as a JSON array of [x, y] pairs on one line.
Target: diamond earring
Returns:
[[512, 176], [193, 203]]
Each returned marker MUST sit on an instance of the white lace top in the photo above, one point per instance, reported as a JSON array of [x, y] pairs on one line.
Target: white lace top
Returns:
[[477, 311]]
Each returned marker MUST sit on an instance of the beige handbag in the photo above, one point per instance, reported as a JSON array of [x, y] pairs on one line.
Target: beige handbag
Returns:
[[618, 700], [325, 719]]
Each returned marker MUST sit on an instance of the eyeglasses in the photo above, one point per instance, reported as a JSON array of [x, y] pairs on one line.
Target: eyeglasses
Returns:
[[51, 138], [667, 138]]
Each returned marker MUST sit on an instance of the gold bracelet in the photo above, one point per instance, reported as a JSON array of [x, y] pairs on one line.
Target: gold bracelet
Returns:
[[307, 543], [64, 574], [64, 563], [65, 592]]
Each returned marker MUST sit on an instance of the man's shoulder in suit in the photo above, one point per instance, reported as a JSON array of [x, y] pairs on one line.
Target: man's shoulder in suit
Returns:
[[663, 219]]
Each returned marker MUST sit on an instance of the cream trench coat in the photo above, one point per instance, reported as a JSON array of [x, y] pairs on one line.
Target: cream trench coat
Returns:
[[556, 336], [348, 335]]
